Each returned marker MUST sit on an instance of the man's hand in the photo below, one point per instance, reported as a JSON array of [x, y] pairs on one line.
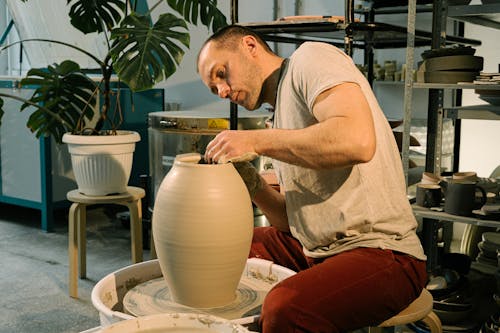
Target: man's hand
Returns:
[[232, 146], [250, 176]]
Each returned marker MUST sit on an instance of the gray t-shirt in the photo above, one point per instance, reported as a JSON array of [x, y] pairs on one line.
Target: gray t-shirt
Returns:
[[331, 211]]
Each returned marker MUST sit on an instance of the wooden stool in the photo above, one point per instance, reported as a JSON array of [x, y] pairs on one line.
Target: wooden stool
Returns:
[[77, 228], [419, 310]]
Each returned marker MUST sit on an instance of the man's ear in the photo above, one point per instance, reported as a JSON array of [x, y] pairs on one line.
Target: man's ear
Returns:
[[250, 44]]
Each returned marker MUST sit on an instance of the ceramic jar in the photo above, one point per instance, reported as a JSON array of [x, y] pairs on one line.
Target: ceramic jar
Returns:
[[202, 230]]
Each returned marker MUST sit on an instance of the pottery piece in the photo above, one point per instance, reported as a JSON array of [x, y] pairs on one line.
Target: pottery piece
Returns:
[[430, 178], [460, 197], [429, 195], [202, 229], [467, 176]]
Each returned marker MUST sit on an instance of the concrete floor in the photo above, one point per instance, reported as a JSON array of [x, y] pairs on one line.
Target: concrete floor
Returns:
[[34, 269]]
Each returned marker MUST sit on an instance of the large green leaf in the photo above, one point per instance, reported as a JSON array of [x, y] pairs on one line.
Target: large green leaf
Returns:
[[96, 15], [144, 55], [209, 14], [66, 92]]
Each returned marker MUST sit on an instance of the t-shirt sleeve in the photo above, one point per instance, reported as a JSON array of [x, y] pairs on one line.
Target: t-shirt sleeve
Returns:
[[318, 67]]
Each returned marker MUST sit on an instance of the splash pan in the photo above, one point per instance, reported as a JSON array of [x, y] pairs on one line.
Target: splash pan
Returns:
[[113, 295]]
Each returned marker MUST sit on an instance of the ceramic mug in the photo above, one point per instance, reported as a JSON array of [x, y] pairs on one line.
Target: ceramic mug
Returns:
[[429, 195], [460, 197], [467, 176], [430, 178]]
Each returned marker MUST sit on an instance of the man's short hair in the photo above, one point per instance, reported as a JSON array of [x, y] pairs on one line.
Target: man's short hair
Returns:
[[227, 36]]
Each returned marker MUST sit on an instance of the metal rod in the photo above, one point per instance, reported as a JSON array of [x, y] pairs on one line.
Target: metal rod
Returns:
[[234, 11], [233, 108], [349, 19], [233, 116], [408, 93], [6, 32]]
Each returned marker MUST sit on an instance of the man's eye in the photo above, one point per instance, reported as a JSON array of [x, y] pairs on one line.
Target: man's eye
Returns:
[[220, 74]]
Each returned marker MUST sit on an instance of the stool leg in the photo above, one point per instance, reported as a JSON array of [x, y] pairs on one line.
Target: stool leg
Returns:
[[136, 229], [73, 250], [82, 240], [433, 322]]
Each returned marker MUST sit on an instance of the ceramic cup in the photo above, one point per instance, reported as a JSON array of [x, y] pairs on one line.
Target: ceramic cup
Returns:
[[460, 197], [429, 195], [469, 176], [430, 178]]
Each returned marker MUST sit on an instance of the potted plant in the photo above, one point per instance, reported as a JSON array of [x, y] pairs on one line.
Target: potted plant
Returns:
[[140, 54]]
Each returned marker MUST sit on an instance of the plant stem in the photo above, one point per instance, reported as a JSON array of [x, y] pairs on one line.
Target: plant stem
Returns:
[[97, 60]]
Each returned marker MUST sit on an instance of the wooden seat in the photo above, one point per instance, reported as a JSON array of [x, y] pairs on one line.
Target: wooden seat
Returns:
[[77, 228], [419, 310]]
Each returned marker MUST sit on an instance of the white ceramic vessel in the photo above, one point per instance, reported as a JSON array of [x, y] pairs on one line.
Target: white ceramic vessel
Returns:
[[202, 229], [102, 163]]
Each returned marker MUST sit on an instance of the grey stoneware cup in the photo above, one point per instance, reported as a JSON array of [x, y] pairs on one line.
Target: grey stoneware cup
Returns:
[[429, 195], [460, 197]]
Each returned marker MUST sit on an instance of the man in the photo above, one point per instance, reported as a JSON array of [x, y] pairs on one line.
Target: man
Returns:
[[342, 219]]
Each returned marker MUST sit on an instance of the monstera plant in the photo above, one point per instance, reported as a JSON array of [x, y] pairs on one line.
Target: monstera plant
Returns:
[[141, 52]]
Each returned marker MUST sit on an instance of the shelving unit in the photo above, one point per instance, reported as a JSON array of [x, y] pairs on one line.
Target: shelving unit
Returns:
[[348, 33], [379, 35], [486, 15], [485, 112], [445, 217]]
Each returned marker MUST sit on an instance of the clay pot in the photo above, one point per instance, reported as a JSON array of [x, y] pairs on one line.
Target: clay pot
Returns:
[[202, 229]]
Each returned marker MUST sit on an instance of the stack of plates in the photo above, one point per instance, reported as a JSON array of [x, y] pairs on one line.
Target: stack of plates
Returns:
[[449, 65], [487, 260], [488, 79]]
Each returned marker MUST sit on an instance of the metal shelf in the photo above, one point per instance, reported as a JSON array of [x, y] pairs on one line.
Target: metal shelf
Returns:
[[442, 216], [484, 112], [378, 35], [465, 85], [487, 15]]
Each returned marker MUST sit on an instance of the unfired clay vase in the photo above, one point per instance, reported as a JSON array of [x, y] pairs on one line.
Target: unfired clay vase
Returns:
[[202, 229]]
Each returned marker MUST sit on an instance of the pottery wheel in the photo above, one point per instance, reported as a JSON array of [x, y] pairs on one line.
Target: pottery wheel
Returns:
[[153, 296]]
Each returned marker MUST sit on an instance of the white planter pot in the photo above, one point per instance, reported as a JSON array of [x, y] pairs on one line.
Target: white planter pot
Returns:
[[102, 163], [202, 229]]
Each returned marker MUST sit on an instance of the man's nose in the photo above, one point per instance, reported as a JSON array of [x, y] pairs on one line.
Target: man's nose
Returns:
[[223, 90]]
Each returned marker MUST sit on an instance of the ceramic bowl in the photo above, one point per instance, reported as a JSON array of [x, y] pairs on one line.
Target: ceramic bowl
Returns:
[[175, 323], [491, 237], [448, 51], [452, 317], [452, 286]]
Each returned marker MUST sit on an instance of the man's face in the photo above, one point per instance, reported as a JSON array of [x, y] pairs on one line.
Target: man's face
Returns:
[[231, 74]]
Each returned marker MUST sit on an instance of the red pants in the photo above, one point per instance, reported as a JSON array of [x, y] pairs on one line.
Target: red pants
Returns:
[[344, 292]]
